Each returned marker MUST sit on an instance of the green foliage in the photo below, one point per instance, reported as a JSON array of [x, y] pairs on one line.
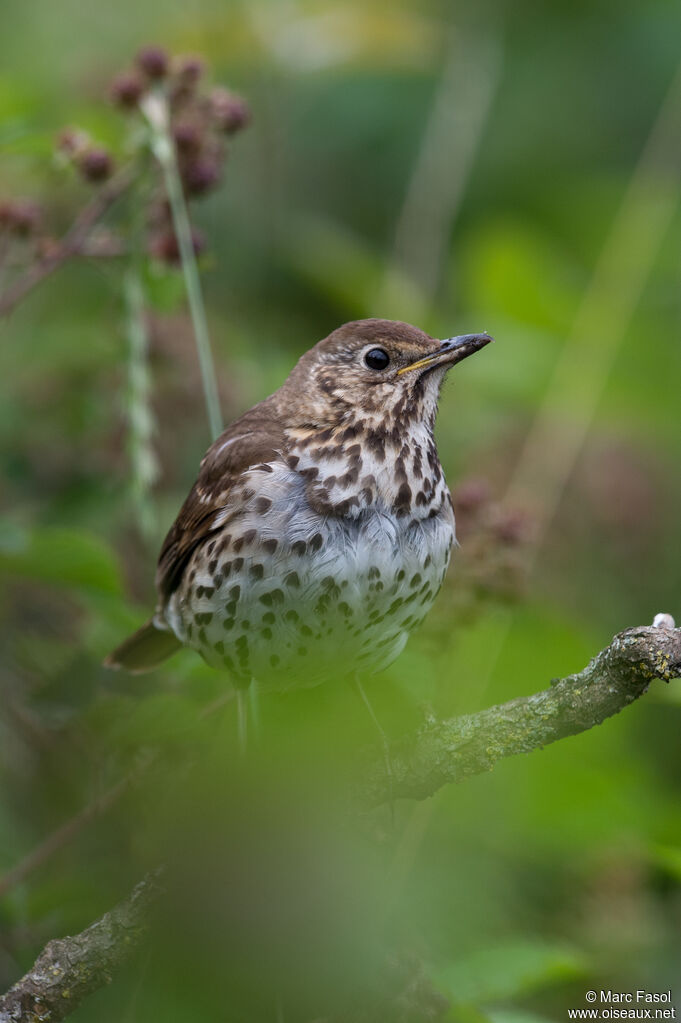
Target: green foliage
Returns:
[[509, 971], [59, 555]]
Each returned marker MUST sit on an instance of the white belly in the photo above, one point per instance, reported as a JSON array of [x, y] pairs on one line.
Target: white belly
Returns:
[[337, 595]]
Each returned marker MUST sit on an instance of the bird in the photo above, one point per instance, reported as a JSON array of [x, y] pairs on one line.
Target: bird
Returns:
[[320, 527]]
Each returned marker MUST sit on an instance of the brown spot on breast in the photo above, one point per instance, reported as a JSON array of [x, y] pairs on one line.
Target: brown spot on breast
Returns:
[[343, 507], [375, 443], [403, 500]]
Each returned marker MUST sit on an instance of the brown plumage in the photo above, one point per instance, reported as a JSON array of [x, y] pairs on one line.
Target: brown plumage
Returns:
[[320, 525]]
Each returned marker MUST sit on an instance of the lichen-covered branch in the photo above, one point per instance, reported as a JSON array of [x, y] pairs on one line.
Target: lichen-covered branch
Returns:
[[70, 968], [448, 751], [441, 752]]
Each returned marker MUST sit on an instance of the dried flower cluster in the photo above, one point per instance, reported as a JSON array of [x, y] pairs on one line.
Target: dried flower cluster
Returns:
[[202, 120], [20, 218], [491, 565]]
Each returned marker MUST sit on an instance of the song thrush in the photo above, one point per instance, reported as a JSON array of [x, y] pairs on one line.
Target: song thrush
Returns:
[[320, 527]]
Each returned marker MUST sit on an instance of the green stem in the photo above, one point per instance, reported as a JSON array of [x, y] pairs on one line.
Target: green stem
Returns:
[[155, 108], [143, 464]]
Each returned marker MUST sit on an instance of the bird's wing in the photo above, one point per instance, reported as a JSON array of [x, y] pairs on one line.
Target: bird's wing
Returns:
[[252, 440]]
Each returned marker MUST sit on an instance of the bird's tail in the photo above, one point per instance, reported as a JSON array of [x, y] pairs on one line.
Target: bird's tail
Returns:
[[144, 650]]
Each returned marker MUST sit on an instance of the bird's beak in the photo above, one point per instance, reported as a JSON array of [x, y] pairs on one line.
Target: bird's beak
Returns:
[[452, 350]]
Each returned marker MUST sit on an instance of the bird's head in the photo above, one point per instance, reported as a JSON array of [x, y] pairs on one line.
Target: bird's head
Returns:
[[374, 370]]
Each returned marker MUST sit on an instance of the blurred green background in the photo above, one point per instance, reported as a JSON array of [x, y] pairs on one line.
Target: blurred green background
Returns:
[[512, 168]]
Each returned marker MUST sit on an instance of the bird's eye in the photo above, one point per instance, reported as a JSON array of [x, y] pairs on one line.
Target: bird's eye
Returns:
[[377, 358]]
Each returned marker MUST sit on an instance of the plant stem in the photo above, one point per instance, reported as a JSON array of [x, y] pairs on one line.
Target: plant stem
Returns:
[[143, 464], [155, 109]]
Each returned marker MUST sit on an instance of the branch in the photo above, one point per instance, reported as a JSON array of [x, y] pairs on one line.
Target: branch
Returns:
[[448, 751], [74, 243], [70, 968]]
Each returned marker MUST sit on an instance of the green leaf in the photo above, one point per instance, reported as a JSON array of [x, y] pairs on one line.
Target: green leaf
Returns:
[[163, 286], [56, 555], [155, 720], [668, 859], [509, 970]]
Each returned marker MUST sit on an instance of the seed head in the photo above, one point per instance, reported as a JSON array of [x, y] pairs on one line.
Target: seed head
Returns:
[[72, 142], [229, 112], [20, 217], [153, 61], [164, 246], [188, 69], [95, 165], [126, 89], [187, 137], [201, 175]]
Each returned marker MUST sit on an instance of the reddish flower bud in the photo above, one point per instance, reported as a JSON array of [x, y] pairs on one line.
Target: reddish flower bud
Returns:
[[20, 217], [72, 142], [512, 526], [187, 137], [153, 61], [201, 175], [126, 89], [188, 69], [471, 495], [95, 165], [229, 112], [165, 247]]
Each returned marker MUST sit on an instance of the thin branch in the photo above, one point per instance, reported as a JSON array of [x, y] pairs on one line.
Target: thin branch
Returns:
[[70, 968], [68, 831], [63, 835], [74, 243], [442, 752], [449, 751]]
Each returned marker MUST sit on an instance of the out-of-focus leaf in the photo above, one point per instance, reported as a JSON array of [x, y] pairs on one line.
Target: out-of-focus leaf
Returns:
[[511, 270], [153, 720], [509, 970], [56, 555], [339, 264], [668, 858], [163, 287]]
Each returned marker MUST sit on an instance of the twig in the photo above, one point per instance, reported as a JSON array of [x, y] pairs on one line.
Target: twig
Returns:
[[67, 831], [449, 751], [59, 838], [155, 108], [72, 244], [70, 968]]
